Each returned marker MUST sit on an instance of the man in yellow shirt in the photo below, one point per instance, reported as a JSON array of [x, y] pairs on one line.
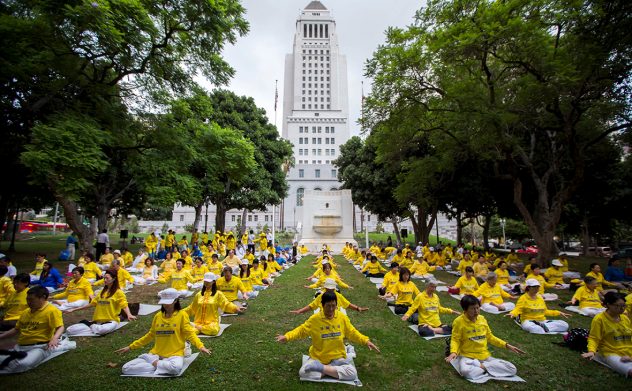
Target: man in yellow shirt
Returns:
[[39, 331], [390, 279], [16, 302], [328, 353], [425, 312], [468, 345]]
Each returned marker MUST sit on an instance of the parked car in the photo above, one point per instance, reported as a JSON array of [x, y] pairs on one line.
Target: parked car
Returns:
[[600, 251], [529, 250]]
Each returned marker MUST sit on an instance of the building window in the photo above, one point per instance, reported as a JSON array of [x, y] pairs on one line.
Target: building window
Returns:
[[332, 129], [256, 218], [300, 140], [317, 173], [319, 151], [334, 173], [320, 140], [326, 129], [326, 140], [266, 217], [232, 218], [181, 217], [313, 140], [300, 192], [326, 152], [249, 217], [333, 140]]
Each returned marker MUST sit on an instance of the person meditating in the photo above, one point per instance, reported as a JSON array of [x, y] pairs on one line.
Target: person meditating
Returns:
[[468, 345], [532, 311], [329, 286], [328, 330], [169, 331], [425, 312]]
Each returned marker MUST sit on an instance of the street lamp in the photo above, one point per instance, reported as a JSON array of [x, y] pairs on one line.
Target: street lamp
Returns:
[[502, 224]]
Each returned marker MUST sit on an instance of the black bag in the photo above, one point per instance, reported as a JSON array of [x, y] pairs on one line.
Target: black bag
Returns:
[[576, 339], [133, 308]]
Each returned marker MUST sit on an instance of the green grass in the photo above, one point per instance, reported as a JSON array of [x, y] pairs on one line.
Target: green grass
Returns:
[[247, 356]]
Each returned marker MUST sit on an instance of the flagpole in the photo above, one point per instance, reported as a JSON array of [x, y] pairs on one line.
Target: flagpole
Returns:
[[276, 98]]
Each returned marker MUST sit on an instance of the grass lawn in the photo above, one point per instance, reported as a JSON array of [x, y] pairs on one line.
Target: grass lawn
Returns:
[[247, 356]]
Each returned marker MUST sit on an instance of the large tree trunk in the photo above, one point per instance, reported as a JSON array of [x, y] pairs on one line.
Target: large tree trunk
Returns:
[[220, 216], [459, 227], [85, 234], [423, 223], [487, 220], [585, 235], [542, 222], [198, 215], [244, 215], [398, 235]]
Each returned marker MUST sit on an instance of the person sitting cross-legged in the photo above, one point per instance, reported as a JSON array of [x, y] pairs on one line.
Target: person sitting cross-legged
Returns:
[[531, 309], [425, 312]]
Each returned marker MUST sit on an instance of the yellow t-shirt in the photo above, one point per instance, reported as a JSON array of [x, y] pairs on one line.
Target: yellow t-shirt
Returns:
[[428, 308], [587, 299], [205, 309], [38, 326], [178, 279], [532, 309], [108, 308], [390, 280], [405, 292], [490, 294], [256, 276], [470, 339], [554, 276], [467, 287], [91, 270], [481, 269], [75, 291], [230, 288], [106, 259], [610, 338], [198, 272], [373, 268], [215, 268], [327, 336], [6, 289], [15, 305], [503, 276], [341, 300], [169, 335]]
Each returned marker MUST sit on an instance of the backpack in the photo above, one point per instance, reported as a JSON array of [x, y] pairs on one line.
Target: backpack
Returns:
[[576, 339]]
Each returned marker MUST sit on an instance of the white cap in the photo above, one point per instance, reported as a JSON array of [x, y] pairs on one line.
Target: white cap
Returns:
[[210, 277], [532, 282], [324, 262], [168, 296], [330, 283], [117, 252], [245, 262], [431, 249], [556, 262]]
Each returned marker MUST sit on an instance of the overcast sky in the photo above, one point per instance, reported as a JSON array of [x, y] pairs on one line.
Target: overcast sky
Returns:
[[259, 57]]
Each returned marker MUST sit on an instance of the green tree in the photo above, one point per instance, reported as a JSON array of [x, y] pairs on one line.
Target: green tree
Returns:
[[531, 86]]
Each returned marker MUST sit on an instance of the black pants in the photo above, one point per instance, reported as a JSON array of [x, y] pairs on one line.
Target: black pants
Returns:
[[425, 331], [400, 309], [251, 248], [100, 250], [382, 291], [376, 275]]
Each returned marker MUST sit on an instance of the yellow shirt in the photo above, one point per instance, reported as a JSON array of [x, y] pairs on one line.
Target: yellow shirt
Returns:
[[233, 261], [230, 288], [250, 258], [39, 265], [151, 242], [512, 258], [564, 267], [587, 298], [467, 287], [610, 338], [470, 339], [463, 264], [323, 277], [555, 276], [123, 277], [75, 291], [247, 281], [168, 265], [256, 276], [373, 268], [405, 292], [215, 268], [205, 309], [542, 281], [38, 326], [341, 300], [421, 268], [628, 305], [169, 335], [178, 279], [390, 280], [428, 308], [108, 308], [327, 336], [503, 276], [91, 270], [491, 295], [601, 282], [532, 309], [106, 259], [198, 272], [481, 269], [15, 305], [6, 289]]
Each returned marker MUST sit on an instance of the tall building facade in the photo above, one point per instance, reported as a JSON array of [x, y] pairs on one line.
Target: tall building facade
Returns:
[[315, 108]]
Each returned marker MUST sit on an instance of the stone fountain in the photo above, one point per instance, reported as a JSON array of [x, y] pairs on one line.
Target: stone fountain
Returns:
[[327, 219]]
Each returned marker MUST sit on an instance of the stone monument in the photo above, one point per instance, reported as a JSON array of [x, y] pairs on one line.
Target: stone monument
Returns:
[[327, 219]]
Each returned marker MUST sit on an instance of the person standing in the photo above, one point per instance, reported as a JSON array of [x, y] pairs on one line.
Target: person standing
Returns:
[[103, 241], [71, 245]]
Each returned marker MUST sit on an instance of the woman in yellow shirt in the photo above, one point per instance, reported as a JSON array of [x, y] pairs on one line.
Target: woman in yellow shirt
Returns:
[[421, 269], [231, 285], [15, 304], [404, 292], [328, 353], [170, 330], [373, 268], [467, 261], [78, 293], [328, 273], [205, 306], [611, 335], [595, 272], [198, 272], [108, 305], [150, 273], [91, 271], [467, 284], [390, 279], [247, 279], [425, 312], [503, 276], [531, 311], [167, 266], [588, 298], [555, 274], [179, 278], [468, 345], [492, 296]]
